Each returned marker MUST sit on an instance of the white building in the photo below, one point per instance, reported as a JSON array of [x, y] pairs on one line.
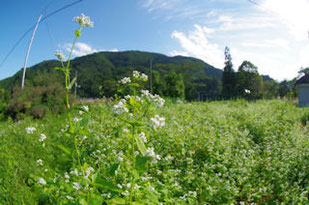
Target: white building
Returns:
[[303, 91]]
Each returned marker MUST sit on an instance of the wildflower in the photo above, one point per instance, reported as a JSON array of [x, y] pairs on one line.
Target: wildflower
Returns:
[[30, 130], [143, 137], [41, 181], [39, 162], [247, 91], [59, 55], [76, 186], [127, 97], [69, 197], [125, 80], [136, 74], [84, 21], [88, 171], [75, 172], [151, 189], [42, 137], [120, 107], [66, 175], [144, 77], [150, 152], [157, 121], [76, 119], [86, 108]]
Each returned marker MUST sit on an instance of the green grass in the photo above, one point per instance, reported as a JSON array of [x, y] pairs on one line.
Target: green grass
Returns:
[[211, 153]]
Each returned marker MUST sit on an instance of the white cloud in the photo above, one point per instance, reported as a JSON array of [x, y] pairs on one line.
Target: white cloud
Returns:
[[82, 49], [293, 13], [197, 44]]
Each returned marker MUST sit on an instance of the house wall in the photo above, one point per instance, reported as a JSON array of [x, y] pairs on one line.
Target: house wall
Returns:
[[303, 95]]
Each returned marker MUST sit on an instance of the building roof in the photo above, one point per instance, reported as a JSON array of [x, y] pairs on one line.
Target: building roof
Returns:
[[303, 80]]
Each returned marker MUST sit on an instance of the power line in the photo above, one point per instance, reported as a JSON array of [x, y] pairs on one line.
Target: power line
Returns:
[[32, 27]]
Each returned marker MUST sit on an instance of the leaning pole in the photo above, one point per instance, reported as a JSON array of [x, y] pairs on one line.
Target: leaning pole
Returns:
[[26, 60]]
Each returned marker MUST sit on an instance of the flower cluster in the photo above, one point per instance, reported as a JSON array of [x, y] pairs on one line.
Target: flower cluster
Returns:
[[121, 107], [30, 130], [140, 76], [143, 137], [155, 98], [247, 91], [59, 55], [84, 21], [125, 80], [150, 152], [42, 137], [157, 121]]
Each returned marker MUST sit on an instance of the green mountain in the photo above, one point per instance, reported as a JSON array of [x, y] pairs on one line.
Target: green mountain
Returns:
[[99, 72]]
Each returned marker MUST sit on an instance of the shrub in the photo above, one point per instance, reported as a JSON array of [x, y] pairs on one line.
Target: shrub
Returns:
[[305, 119], [36, 101]]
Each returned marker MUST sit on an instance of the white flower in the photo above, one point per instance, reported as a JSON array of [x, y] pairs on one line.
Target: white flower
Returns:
[[157, 121], [42, 137], [120, 107], [144, 77], [59, 55], [125, 80], [150, 152], [76, 119], [75, 172], [30, 130], [66, 175], [136, 74], [41, 181], [39, 162], [77, 186], [158, 101], [88, 171], [127, 97], [85, 107], [84, 21], [143, 137], [69, 197], [151, 189], [247, 91]]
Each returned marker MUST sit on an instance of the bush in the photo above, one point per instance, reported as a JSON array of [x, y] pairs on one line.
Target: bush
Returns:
[[305, 119], [36, 101]]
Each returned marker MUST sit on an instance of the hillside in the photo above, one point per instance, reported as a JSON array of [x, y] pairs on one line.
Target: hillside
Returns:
[[104, 69]]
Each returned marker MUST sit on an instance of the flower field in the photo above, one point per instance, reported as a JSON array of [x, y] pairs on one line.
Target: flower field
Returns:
[[229, 152]]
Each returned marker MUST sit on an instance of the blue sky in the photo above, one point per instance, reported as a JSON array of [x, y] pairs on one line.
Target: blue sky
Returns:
[[273, 34]]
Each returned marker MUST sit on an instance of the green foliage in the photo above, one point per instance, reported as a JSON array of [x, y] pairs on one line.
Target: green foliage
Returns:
[[228, 77], [235, 151], [249, 83], [305, 119], [175, 87], [36, 101]]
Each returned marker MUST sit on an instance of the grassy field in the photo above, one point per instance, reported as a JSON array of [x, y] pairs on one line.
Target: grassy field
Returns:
[[229, 152]]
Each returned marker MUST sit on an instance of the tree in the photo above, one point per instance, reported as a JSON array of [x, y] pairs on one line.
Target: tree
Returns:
[[228, 76], [175, 87], [249, 82]]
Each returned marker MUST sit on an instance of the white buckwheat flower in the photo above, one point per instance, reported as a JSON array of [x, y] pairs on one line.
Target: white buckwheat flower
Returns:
[[39, 162], [42, 137], [144, 77], [121, 107], [30, 130], [84, 21], [41, 181], [76, 186], [125, 80], [85, 107], [59, 55], [136, 74], [143, 137], [157, 121], [150, 152]]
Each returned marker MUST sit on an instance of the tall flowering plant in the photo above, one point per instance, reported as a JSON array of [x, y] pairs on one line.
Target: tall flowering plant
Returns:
[[137, 112]]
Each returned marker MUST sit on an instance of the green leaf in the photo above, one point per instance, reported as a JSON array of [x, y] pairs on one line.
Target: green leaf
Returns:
[[99, 182], [141, 164], [96, 199], [71, 84], [140, 145], [64, 149], [112, 169], [77, 33], [61, 69]]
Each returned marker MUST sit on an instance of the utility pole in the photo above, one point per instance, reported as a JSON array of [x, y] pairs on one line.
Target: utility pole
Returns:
[[27, 56], [150, 76], [76, 86]]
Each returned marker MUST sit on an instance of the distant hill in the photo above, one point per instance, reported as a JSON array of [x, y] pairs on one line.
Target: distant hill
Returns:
[[104, 69]]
